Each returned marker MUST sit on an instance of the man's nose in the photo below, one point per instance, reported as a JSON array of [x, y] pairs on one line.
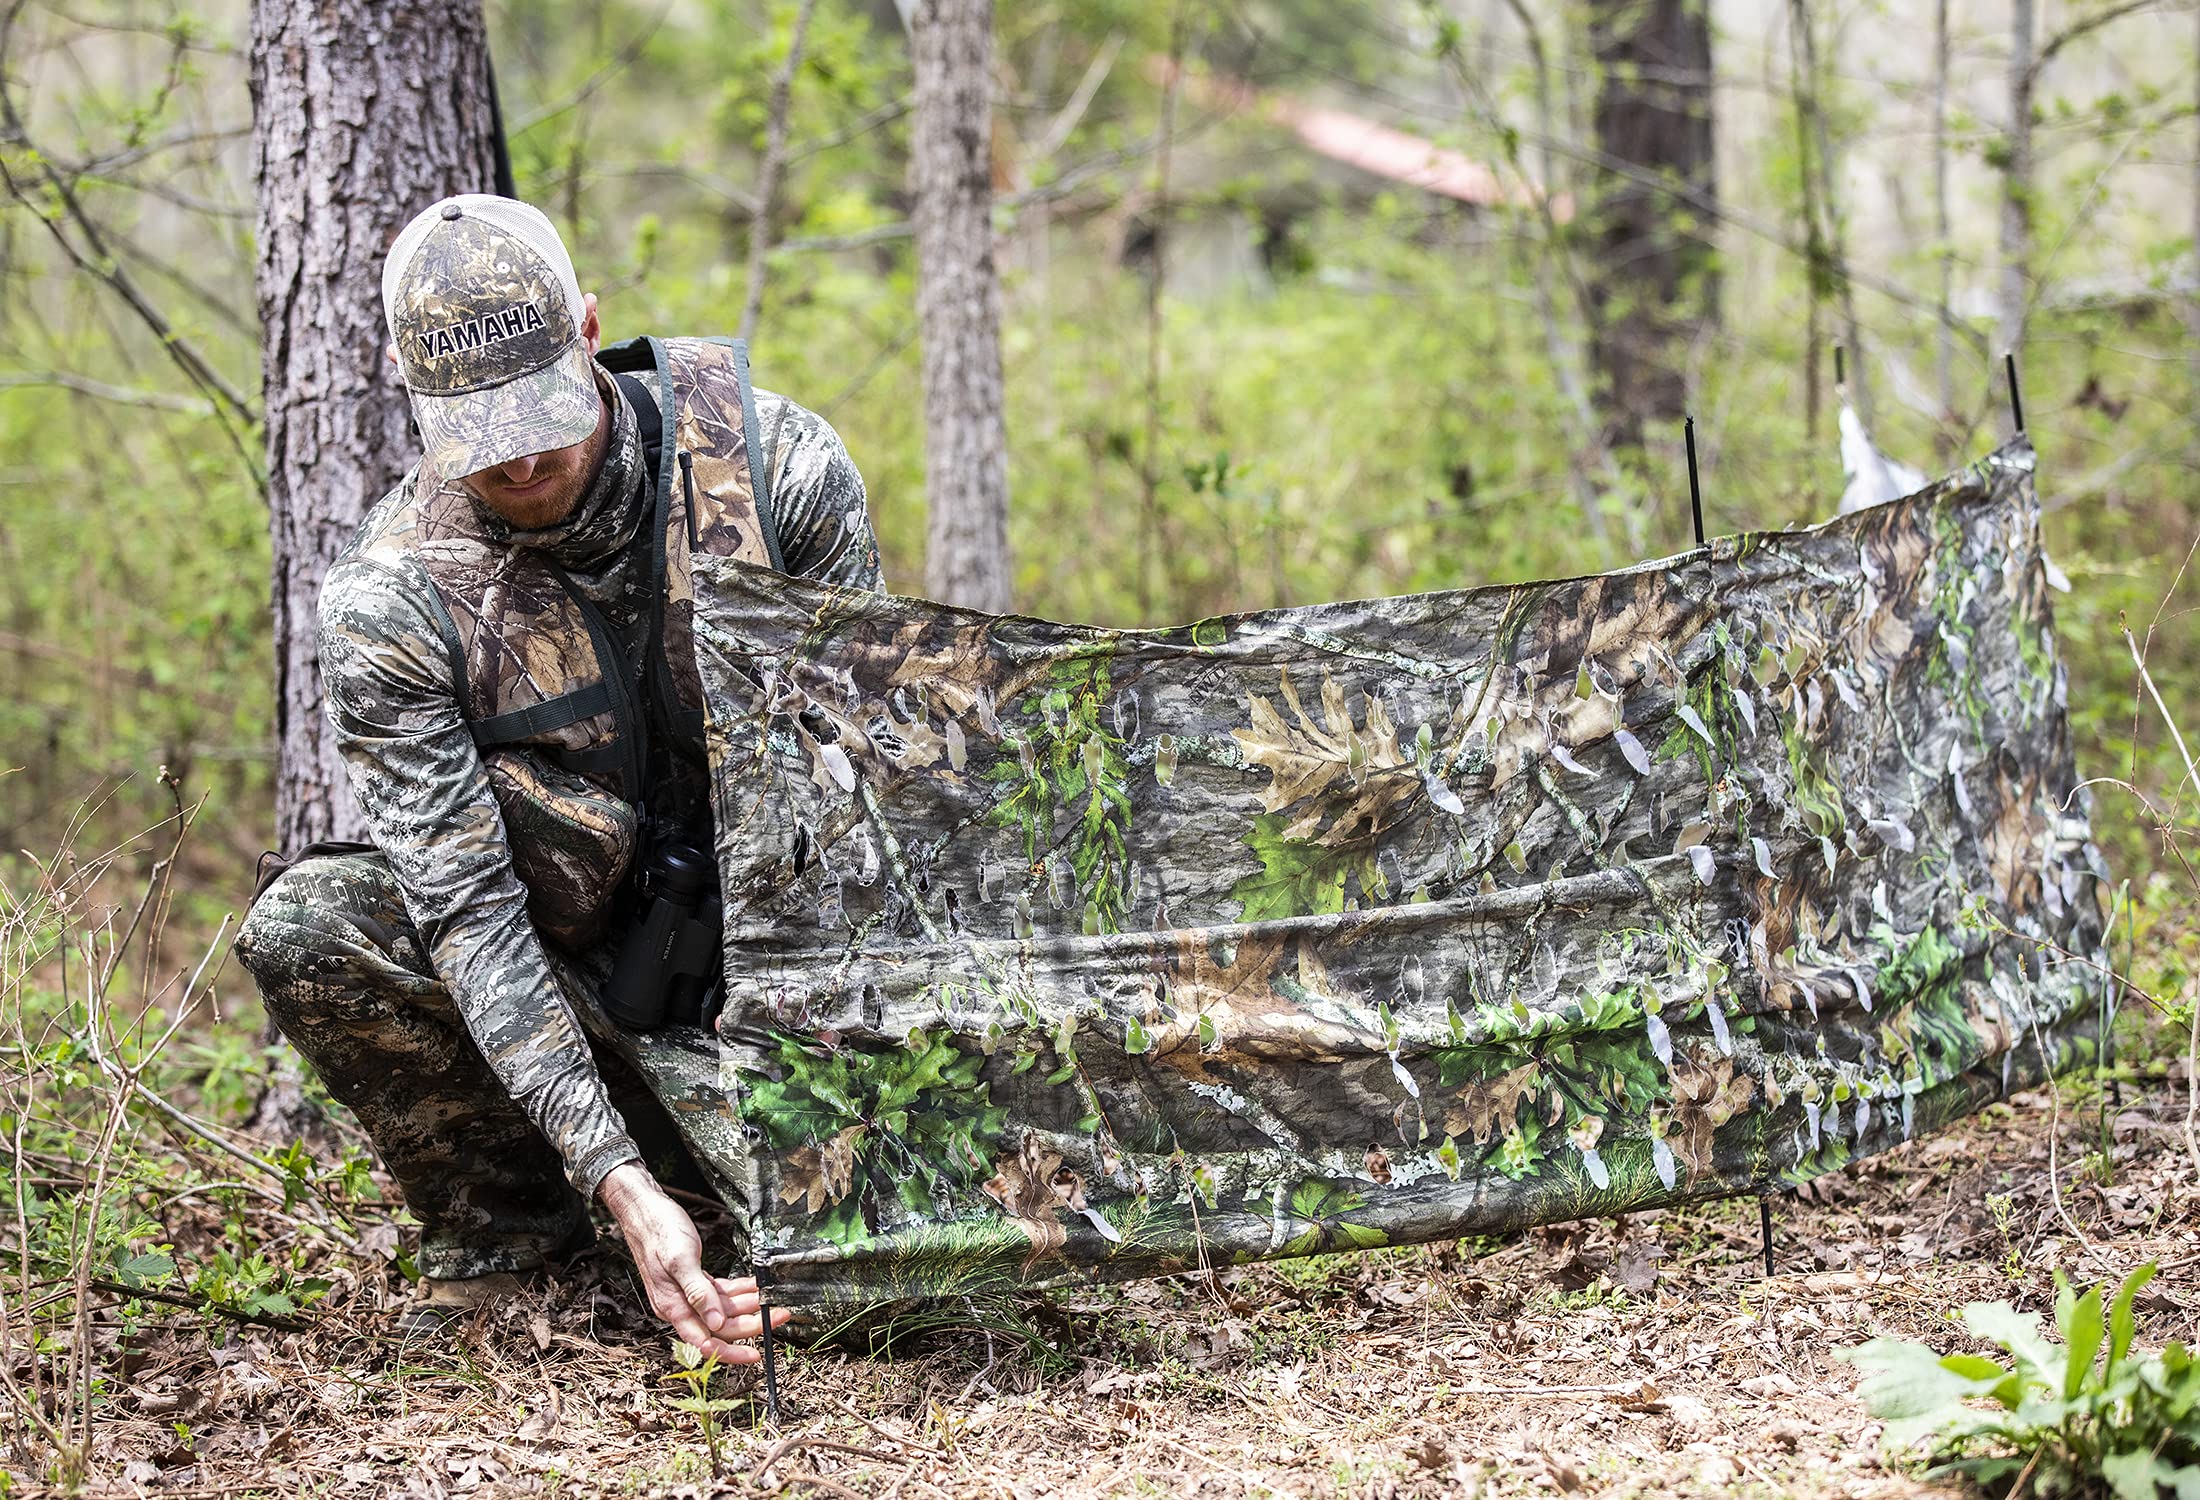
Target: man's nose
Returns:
[[520, 470]]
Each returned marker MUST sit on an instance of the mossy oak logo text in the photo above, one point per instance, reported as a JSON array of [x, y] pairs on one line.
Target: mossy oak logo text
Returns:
[[476, 333]]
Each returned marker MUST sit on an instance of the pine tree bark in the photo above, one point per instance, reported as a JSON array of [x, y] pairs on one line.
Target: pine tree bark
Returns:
[[362, 116], [959, 304], [1657, 275]]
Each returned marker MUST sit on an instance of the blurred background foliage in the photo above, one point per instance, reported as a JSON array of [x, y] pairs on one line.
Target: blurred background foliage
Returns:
[[1350, 380]]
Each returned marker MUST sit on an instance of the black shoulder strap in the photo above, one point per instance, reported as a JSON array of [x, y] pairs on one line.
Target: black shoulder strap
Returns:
[[643, 371], [647, 420], [626, 711], [646, 356]]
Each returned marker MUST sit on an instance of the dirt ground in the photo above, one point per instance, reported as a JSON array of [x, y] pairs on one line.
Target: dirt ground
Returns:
[[1649, 1355]]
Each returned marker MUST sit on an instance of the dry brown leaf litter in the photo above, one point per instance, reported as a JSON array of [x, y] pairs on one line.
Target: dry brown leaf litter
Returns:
[[1615, 1357]]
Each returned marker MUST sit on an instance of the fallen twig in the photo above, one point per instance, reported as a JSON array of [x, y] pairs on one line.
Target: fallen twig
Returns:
[[196, 1304], [816, 1481], [914, 1445]]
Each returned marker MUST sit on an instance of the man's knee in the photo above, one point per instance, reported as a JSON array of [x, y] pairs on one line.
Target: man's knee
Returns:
[[324, 922]]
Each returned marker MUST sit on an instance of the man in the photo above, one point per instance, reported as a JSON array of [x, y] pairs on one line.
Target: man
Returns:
[[508, 654]]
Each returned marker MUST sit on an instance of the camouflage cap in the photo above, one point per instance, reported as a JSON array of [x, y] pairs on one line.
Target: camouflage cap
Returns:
[[486, 316]]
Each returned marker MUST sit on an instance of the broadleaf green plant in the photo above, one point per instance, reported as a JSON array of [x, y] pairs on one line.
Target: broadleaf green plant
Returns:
[[696, 1372], [2079, 1417]]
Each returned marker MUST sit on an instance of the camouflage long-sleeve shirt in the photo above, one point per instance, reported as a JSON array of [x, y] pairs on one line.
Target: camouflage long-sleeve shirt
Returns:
[[396, 714]]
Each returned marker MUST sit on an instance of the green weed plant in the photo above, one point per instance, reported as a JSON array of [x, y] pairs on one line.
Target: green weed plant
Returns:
[[2083, 1416]]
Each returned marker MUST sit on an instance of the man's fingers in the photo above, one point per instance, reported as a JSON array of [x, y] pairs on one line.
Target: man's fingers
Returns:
[[739, 1296], [701, 1294], [732, 1340], [689, 1327], [730, 1353], [751, 1326], [719, 1315]]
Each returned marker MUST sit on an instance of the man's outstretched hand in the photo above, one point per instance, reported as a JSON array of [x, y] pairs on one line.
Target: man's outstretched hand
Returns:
[[717, 1314]]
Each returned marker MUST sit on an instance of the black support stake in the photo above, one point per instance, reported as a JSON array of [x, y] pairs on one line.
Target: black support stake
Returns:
[[771, 1347], [1840, 367], [2016, 395], [1764, 1221], [1695, 490]]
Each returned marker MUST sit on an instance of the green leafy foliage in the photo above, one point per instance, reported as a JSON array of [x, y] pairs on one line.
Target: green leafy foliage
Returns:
[[2082, 1416], [1323, 1210], [131, 1195], [864, 1129], [255, 1284], [1299, 876], [1067, 759], [127, 1244]]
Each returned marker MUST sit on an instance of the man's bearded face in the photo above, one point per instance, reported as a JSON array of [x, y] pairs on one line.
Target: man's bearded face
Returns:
[[538, 489]]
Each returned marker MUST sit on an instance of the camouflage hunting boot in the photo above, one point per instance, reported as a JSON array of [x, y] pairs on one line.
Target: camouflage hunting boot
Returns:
[[442, 1304]]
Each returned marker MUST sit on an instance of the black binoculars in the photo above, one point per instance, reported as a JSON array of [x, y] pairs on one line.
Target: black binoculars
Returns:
[[667, 969]]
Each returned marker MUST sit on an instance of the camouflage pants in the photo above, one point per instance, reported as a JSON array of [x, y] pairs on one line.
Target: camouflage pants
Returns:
[[344, 973]]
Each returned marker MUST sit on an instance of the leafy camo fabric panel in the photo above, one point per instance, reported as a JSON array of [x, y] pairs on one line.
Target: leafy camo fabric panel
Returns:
[[1057, 952]]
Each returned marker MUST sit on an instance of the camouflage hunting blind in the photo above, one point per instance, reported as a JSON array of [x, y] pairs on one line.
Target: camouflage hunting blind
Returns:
[[1057, 952]]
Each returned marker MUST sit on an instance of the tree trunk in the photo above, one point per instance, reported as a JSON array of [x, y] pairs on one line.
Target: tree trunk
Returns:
[[1657, 269], [362, 116], [2016, 182], [1588, 461], [959, 304]]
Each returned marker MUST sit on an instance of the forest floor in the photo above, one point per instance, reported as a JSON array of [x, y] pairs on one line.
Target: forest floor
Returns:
[[1649, 1355]]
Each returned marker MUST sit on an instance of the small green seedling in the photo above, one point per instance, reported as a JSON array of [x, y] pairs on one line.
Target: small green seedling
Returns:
[[696, 1373]]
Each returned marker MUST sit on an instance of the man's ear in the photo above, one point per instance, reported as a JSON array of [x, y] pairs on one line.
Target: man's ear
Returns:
[[591, 329], [389, 352]]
